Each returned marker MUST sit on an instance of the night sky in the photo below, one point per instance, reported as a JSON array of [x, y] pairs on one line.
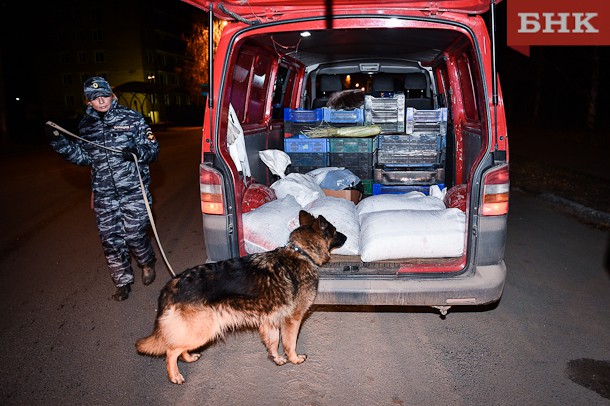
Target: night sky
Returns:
[[561, 75]]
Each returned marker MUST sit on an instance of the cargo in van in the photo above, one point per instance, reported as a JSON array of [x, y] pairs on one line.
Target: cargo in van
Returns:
[[403, 99]]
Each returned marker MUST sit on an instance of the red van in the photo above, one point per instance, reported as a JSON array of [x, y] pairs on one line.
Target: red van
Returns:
[[306, 78]]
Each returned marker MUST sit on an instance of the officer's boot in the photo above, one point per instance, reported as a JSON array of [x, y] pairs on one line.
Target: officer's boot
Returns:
[[122, 293], [148, 272]]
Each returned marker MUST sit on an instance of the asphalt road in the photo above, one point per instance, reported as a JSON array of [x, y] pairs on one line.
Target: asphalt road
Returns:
[[65, 341]]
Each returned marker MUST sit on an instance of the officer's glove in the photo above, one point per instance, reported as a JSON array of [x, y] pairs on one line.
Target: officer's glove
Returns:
[[128, 153], [52, 133]]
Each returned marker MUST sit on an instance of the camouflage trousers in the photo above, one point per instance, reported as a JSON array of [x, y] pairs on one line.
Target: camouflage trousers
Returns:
[[123, 222]]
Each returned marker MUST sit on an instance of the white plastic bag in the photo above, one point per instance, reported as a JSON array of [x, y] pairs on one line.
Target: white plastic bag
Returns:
[[277, 161], [334, 178], [237, 144], [435, 191]]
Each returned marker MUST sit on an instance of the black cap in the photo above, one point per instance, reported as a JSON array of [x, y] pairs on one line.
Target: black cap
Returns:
[[95, 87]]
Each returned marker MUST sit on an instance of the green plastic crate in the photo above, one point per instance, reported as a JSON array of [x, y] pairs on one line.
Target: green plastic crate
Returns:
[[351, 145], [367, 185]]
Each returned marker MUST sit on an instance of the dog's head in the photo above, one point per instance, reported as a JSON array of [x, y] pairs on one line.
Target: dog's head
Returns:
[[316, 237]]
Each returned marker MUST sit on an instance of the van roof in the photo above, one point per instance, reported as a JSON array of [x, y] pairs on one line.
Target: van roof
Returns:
[[272, 9], [347, 50]]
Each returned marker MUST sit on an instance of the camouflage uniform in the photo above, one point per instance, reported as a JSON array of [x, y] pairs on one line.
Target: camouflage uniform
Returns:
[[120, 210]]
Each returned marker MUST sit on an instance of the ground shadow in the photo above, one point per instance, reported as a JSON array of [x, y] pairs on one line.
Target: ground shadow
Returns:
[[592, 374]]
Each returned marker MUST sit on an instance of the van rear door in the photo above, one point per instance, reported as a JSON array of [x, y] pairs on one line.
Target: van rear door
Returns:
[[255, 9]]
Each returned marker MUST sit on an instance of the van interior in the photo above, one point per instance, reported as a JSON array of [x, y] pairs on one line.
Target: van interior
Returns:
[[422, 81], [413, 62]]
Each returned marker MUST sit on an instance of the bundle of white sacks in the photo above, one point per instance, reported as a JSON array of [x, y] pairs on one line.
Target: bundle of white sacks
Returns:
[[379, 227]]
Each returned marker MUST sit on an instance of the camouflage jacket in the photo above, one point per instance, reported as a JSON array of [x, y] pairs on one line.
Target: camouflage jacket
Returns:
[[121, 127]]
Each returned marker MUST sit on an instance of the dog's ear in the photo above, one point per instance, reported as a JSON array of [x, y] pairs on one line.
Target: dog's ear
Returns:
[[305, 218], [322, 221], [323, 225]]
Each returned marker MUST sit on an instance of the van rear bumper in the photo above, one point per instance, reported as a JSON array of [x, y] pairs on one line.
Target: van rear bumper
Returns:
[[483, 286]]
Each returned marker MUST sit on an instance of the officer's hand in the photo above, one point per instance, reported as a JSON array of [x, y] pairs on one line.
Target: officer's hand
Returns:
[[52, 133], [128, 153]]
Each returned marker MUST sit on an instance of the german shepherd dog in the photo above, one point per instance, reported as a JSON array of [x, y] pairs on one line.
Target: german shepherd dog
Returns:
[[270, 291]]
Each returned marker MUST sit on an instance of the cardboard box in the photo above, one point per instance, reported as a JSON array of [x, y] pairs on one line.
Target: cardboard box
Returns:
[[349, 194]]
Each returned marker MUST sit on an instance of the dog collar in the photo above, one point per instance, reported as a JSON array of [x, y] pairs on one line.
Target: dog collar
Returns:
[[299, 250]]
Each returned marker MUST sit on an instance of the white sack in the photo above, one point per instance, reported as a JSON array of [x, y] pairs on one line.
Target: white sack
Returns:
[[407, 201], [301, 186], [341, 213], [412, 234], [269, 226]]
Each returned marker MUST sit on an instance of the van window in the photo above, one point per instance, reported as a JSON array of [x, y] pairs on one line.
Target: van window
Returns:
[[240, 85], [249, 87], [257, 102], [283, 90], [444, 90]]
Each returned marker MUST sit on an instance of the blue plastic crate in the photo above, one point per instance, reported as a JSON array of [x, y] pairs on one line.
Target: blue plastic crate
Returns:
[[355, 116], [302, 144], [379, 189], [302, 115], [291, 128]]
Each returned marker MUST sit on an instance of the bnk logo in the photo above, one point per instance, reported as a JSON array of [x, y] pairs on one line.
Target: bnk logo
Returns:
[[557, 22]]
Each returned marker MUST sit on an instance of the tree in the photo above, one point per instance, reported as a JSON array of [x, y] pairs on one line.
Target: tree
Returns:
[[196, 71]]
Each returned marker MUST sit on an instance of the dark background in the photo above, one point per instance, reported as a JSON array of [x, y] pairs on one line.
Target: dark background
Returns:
[[552, 87], [556, 144]]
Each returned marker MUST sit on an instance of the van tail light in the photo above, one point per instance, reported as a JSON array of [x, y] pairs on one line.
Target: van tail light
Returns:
[[496, 186], [211, 190]]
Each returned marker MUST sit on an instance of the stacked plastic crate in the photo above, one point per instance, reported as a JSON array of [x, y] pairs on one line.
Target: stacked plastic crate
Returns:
[[354, 154], [343, 118], [298, 120], [306, 154], [386, 112], [413, 160]]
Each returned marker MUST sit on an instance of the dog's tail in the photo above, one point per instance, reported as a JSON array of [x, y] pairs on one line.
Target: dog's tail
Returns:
[[151, 345]]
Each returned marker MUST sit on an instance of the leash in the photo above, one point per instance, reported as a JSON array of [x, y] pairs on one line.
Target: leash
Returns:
[[142, 188]]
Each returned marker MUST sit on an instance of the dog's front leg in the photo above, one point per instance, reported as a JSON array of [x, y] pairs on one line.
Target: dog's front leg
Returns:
[[270, 335], [171, 361], [290, 331], [188, 357]]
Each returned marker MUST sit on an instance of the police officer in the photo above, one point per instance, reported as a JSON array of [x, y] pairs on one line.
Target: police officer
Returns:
[[119, 206]]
